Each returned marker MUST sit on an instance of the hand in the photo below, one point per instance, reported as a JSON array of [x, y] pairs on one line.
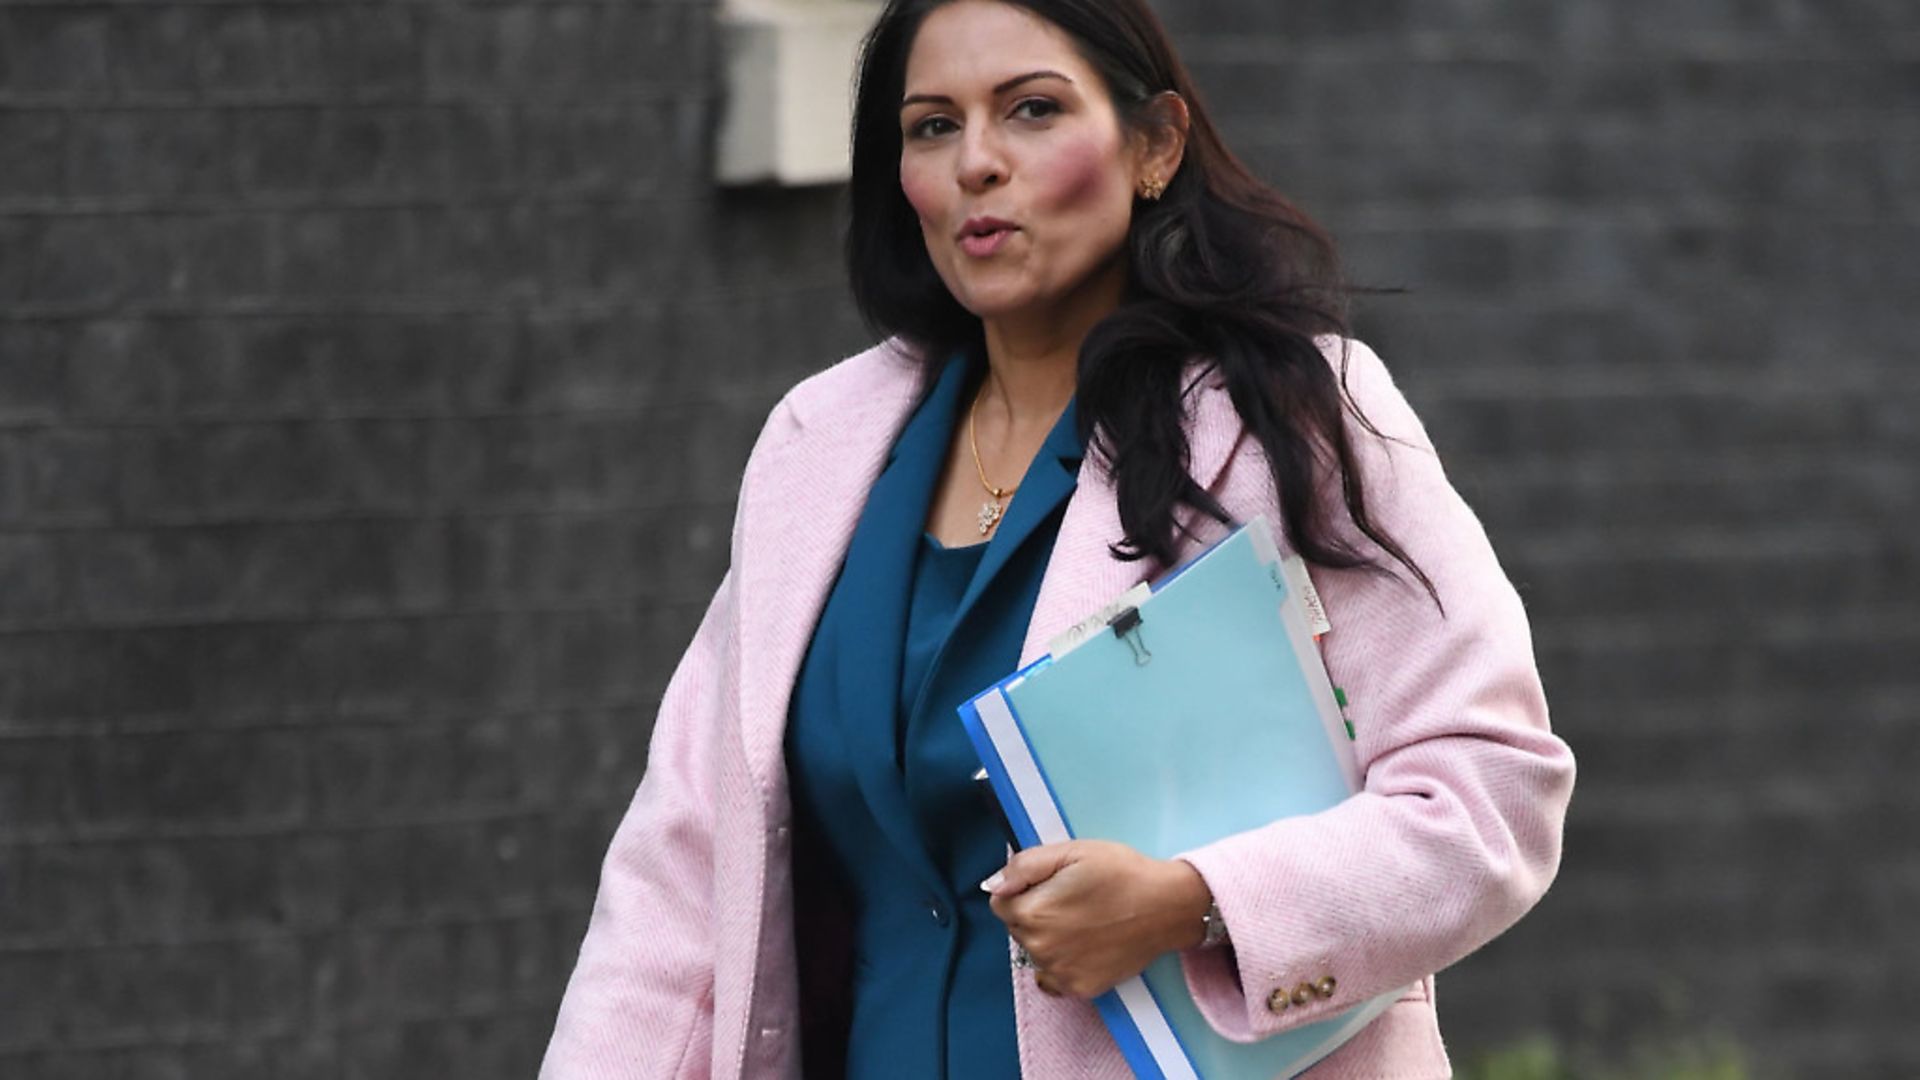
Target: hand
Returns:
[[1092, 912]]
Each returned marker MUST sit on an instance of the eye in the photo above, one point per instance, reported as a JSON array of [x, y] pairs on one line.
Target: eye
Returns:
[[1036, 108], [930, 127]]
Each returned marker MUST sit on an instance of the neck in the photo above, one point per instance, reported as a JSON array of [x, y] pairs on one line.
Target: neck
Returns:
[[1033, 356]]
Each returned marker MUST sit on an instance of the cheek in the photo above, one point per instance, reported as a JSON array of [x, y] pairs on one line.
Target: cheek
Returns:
[[1078, 175], [921, 192]]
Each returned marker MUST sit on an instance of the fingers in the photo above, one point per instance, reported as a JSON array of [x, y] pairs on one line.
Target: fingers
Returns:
[[1029, 868], [1054, 971], [1057, 984], [1045, 982]]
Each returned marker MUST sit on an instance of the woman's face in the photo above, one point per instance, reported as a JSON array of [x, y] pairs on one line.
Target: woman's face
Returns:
[[1014, 159]]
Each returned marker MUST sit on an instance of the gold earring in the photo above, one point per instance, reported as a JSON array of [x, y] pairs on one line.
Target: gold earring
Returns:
[[1152, 188]]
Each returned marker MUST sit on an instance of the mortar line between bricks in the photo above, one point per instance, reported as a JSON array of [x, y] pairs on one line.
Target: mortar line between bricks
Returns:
[[1726, 124], [1653, 805], [147, 832], [1661, 467], [1627, 973], [317, 619], [433, 514], [292, 720], [1703, 544], [1668, 382], [1732, 809], [1891, 625], [255, 204], [414, 98], [1519, 215], [1664, 720], [1269, 135], [1440, 49], [224, 1036], [329, 720], [333, 723], [636, 410], [1633, 378], [507, 309], [797, 281], [440, 516], [370, 5], [508, 911]]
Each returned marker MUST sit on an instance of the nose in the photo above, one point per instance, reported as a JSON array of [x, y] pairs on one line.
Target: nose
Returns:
[[983, 160]]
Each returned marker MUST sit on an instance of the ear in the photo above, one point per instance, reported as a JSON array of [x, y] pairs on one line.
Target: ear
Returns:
[[1161, 146]]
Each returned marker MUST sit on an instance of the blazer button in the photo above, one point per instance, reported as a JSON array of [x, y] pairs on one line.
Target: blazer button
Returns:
[[939, 912], [1277, 1001], [1303, 993], [1325, 986]]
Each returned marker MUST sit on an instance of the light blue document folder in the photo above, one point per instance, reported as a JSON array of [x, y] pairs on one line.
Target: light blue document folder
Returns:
[[1209, 714]]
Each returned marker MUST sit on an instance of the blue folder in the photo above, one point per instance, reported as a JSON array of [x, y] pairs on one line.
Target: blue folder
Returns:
[[1196, 710]]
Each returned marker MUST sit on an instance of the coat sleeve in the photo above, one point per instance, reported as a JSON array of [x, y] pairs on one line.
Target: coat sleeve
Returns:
[[1456, 831], [640, 1002]]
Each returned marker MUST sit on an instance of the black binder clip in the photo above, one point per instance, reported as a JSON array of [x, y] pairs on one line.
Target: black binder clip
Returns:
[[1126, 627]]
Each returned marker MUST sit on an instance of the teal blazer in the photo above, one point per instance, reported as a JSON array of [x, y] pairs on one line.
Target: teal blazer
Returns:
[[904, 967]]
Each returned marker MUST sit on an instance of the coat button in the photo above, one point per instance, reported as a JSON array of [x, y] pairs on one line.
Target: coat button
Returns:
[[1277, 1001], [1303, 993], [1325, 986], [938, 911]]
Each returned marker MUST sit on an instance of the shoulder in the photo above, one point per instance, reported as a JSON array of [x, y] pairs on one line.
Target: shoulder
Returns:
[[1362, 375], [875, 382], [1367, 390], [1389, 444], [1370, 391]]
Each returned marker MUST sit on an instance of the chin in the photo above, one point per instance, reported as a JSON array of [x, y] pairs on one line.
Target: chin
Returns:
[[989, 311], [995, 303]]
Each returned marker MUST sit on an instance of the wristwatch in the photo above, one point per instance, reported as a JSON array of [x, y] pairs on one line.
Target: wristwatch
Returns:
[[1216, 928]]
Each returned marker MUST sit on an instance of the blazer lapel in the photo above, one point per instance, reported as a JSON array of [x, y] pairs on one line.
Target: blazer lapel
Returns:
[[885, 548]]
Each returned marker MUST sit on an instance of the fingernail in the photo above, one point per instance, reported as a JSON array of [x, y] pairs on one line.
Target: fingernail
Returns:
[[994, 882]]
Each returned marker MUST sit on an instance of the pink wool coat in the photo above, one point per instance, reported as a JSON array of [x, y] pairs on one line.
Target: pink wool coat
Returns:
[[688, 967]]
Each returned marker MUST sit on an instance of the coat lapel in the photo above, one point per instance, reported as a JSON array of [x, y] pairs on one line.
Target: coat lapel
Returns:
[[1082, 573], [885, 548], [797, 516]]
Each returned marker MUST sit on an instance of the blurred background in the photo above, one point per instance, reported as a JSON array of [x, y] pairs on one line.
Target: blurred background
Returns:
[[375, 377]]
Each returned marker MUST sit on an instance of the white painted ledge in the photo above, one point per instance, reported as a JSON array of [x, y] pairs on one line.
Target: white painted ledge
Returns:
[[788, 106]]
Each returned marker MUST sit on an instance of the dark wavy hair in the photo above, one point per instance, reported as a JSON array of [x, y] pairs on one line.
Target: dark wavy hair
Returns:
[[1222, 268]]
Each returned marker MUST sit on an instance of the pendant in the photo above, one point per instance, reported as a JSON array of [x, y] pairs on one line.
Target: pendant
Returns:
[[989, 516]]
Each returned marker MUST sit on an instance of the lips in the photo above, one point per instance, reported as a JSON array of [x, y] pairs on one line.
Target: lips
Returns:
[[982, 236]]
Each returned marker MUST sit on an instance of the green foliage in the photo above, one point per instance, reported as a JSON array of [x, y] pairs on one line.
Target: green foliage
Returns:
[[1534, 1059], [1540, 1058]]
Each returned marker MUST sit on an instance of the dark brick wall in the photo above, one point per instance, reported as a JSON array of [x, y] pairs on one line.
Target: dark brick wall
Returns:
[[374, 380], [362, 367], [1661, 322]]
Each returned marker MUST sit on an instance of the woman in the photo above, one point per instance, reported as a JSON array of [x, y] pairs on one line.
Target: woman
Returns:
[[1107, 342]]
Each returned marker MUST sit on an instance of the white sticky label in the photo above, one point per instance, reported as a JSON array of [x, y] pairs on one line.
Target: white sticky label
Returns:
[[1302, 582]]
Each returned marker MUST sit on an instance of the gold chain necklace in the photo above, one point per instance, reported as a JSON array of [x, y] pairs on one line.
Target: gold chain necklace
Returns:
[[995, 507]]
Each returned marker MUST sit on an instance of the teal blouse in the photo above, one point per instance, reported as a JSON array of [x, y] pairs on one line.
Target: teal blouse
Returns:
[[880, 768]]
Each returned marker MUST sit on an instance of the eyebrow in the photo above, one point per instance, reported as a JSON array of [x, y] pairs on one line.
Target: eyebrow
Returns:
[[942, 99]]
